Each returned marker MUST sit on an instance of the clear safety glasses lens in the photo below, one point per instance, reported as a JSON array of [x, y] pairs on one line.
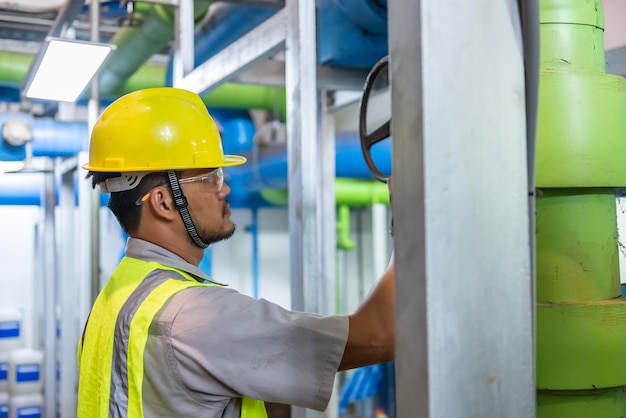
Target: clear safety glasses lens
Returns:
[[213, 179]]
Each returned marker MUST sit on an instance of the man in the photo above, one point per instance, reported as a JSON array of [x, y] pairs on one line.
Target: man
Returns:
[[162, 338]]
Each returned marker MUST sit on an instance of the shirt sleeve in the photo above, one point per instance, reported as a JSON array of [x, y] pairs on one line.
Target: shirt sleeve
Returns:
[[226, 343]]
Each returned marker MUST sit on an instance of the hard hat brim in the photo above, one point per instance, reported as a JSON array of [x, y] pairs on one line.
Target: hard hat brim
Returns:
[[226, 161]]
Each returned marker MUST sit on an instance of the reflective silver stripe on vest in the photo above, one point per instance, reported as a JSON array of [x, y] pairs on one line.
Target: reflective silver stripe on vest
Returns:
[[118, 399]]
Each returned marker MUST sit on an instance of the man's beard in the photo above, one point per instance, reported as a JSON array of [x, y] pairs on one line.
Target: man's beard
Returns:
[[216, 236], [211, 237]]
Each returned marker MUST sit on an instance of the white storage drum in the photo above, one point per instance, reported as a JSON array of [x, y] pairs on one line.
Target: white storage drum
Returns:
[[4, 372], [26, 406], [25, 371], [10, 329], [4, 405]]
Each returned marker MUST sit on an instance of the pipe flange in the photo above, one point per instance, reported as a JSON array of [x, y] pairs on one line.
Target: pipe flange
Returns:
[[17, 132]]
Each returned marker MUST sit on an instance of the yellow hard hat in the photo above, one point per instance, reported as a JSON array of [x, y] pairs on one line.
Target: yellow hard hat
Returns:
[[156, 129]]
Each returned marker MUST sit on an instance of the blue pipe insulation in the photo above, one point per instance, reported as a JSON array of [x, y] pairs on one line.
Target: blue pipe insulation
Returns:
[[352, 33], [65, 139], [368, 15], [108, 10], [270, 170], [246, 181], [9, 93], [361, 25], [231, 23], [52, 138], [23, 189]]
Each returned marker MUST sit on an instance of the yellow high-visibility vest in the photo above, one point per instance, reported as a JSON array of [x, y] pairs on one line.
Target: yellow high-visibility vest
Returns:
[[111, 366]]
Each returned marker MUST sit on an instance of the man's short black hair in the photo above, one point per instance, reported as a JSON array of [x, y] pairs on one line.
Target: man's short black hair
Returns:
[[123, 204]]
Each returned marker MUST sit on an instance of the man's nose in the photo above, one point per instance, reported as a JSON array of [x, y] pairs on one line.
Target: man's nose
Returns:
[[225, 190]]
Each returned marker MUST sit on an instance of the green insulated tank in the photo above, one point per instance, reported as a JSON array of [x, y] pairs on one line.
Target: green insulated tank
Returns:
[[581, 160]]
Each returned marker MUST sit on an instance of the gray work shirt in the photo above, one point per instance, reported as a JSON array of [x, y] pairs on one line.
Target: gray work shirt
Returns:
[[211, 345]]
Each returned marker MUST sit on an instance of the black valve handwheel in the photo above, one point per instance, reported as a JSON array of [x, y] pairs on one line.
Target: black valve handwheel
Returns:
[[382, 132]]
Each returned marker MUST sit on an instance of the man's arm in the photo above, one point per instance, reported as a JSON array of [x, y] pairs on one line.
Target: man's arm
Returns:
[[371, 338]]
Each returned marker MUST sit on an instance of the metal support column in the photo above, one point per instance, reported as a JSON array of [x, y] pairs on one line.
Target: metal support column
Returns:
[[67, 290], [464, 298], [50, 274], [303, 113], [183, 53], [92, 219], [311, 174]]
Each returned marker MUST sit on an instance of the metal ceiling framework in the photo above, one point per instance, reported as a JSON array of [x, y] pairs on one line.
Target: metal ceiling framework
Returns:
[[33, 26]]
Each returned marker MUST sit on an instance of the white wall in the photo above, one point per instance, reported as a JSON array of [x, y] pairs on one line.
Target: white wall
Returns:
[[232, 259], [17, 241]]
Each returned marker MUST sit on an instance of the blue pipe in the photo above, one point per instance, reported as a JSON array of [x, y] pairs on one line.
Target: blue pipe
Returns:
[[63, 139], [21, 189], [360, 25], [234, 21], [368, 15], [51, 138], [24, 189], [237, 129], [108, 10], [352, 33], [9, 93], [270, 171]]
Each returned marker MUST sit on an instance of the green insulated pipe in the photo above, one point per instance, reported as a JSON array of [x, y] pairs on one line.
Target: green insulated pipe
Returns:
[[228, 95], [348, 192], [136, 43], [127, 71], [15, 65], [581, 149]]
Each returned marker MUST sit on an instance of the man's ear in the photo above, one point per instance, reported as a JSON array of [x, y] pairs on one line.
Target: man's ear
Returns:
[[161, 203]]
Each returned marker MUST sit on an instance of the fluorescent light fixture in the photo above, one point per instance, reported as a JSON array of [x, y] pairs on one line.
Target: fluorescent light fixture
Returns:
[[66, 69]]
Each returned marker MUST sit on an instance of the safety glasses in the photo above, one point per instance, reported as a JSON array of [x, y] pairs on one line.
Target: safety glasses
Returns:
[[211, 182]]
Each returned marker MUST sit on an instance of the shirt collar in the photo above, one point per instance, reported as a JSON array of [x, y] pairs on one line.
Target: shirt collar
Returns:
[[147, 251]]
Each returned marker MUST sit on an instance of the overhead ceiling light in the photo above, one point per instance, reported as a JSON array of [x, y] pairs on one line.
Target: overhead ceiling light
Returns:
[[66, 69]]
